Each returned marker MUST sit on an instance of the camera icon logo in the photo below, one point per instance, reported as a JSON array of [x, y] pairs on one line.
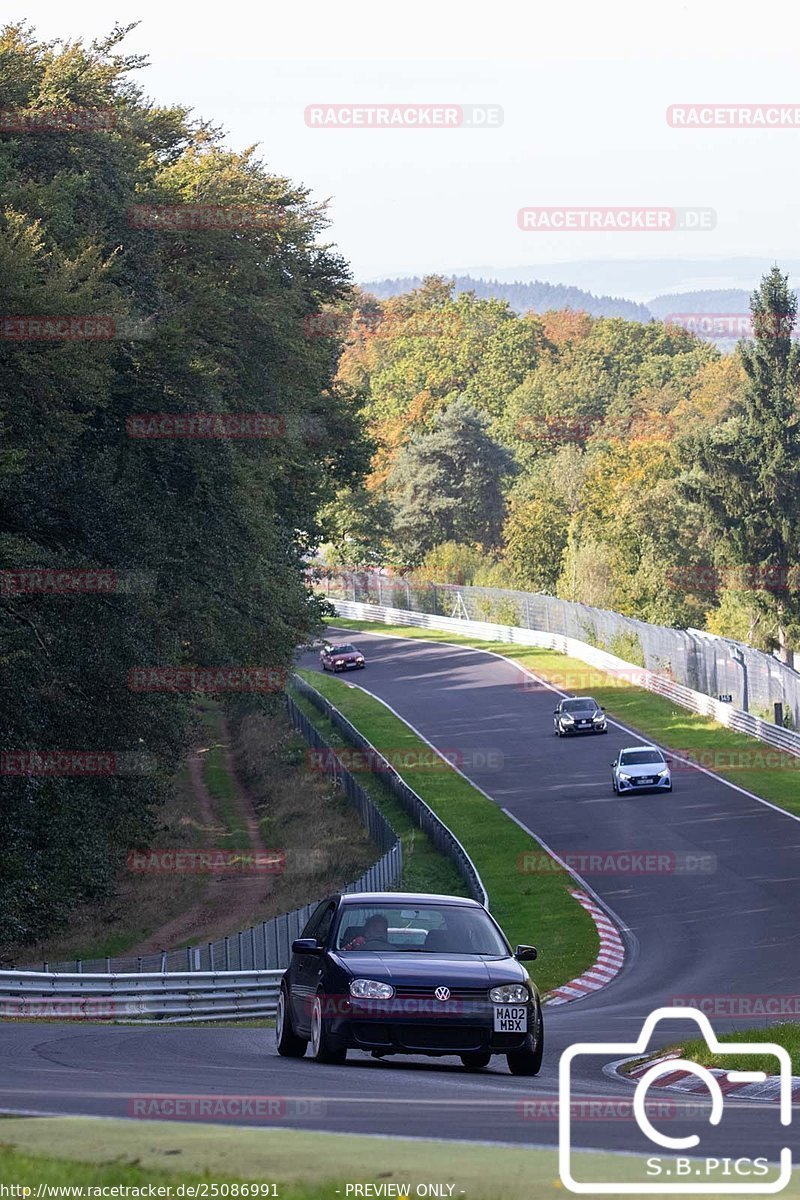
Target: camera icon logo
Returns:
[[724, 1186]]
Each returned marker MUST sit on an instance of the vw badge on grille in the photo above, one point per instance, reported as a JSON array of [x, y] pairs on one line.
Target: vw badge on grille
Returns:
[[442, 993]]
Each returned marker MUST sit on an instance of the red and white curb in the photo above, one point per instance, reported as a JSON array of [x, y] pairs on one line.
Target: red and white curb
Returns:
[[609, 960], [686, 1082]]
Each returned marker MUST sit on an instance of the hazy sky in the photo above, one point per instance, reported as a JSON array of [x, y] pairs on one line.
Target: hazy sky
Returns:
[[584, 88]]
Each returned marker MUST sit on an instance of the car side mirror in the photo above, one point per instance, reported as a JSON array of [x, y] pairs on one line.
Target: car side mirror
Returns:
[[306, 946], [526, 953], [614, 763], [556, 711]]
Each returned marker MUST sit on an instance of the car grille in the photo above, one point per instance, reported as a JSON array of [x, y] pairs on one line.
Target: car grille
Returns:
[[429, 993]]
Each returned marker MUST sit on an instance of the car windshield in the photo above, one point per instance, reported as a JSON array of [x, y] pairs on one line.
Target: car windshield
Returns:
[[345, 649], [418, 929], [638, 758], [574, 706]]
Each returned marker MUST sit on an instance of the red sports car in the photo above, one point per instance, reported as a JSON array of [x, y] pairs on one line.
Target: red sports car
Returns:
[[343, 657]]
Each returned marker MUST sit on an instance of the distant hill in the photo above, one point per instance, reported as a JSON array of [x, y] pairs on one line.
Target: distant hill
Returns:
[[730, 306], [535, 297], [721, 300], [635, 278]]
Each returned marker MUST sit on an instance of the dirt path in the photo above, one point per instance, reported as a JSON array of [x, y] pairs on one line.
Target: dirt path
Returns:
[[230, 900], [243, 799]]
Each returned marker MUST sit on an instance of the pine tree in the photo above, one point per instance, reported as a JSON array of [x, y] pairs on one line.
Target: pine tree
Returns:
[[746, 472]]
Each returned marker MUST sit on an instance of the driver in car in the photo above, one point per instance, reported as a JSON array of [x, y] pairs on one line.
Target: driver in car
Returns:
[[375, 936]]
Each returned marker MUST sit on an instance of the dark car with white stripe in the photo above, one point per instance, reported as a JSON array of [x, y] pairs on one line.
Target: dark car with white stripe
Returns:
[[405, 973], [579, 714]]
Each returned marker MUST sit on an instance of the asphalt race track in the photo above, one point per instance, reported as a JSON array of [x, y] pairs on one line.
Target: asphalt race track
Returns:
[[734, 931]]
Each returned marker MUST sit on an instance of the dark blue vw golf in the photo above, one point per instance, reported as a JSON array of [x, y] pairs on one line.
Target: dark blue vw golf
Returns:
[[402, 973]]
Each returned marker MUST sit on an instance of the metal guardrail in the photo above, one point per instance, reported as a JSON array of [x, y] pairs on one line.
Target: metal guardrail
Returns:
[[421, 814], [734, 718], [177, 996]]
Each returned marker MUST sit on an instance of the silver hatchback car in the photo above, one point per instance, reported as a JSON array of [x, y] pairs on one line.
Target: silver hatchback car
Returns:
[[640, 769]]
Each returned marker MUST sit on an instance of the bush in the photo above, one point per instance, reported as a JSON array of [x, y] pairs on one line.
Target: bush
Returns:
[[628, 647]]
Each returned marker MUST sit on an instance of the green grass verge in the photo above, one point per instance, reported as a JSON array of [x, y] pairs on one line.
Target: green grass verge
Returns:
[[786, 1035], [303, 1166], [424, 868], [531, 908], [734, 756]]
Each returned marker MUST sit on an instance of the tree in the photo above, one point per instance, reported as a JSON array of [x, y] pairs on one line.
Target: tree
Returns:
[[429, 348], [535, 538], [357, 524], [447, 485], [207, 537], [450, 562], [746, 472]]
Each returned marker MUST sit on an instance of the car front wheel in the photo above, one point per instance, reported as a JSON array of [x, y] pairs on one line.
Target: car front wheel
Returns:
[[322, 1049], [289, 1044], [529, 1060]]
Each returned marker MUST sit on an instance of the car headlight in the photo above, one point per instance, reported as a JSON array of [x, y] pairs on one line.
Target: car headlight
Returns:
[[510, 993], [567, 719], [663, 774], [599, 718], [625, 778], [359, 659], [371, 989]]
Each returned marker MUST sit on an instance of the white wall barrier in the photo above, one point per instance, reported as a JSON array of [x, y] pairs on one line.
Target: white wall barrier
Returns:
[[785, 740]]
